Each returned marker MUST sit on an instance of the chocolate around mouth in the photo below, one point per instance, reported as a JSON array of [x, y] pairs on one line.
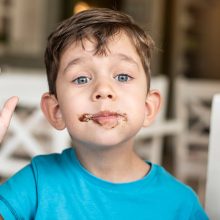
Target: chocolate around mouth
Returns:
[[99, 118]]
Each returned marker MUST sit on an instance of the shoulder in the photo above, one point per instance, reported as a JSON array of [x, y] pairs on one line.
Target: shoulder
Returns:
[[18, 194], [173, 188], [168, 180], [52, 166], [52, 160], [173, 193]]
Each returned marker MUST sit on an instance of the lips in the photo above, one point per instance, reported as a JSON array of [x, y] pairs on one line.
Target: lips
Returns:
[[105, 119]]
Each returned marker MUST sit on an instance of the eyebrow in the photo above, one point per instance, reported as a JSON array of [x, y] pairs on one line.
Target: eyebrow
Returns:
[[126, 58], [121, 56], [74, 62]]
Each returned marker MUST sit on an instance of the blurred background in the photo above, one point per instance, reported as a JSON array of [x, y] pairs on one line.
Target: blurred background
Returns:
[[187, 55], [186, 32]]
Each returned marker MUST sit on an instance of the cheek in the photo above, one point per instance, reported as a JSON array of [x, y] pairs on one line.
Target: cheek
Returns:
[[72, 107], [140, 101], [138, 97], [136, 107]]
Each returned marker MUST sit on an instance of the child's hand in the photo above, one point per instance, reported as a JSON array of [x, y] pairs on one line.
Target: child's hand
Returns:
[[6, 114]]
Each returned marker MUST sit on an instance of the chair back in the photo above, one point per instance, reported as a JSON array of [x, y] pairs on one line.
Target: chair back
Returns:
[[29, 133], [193, 98], [212, 200]]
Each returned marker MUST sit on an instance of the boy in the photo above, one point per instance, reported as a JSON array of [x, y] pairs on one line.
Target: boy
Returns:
[[98, 69]]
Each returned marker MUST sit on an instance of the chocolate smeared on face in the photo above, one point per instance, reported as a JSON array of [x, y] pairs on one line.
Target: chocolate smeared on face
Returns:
[[105, 119], [85, 117]]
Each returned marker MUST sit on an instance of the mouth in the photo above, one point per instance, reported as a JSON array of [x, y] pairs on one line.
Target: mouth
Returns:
[[106, 119]]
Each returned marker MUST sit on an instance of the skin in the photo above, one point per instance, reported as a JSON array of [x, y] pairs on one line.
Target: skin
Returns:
[[6, 114], [5, 117], [106, 88]]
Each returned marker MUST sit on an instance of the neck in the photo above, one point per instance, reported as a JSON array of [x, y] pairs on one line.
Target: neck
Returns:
[[114, 164]]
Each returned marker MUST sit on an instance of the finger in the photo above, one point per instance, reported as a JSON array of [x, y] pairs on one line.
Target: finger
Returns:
[[8, 108], [6, 114], [11, 103]]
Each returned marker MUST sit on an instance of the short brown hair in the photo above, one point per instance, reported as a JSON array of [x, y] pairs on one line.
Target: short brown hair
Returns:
[[99, 24]]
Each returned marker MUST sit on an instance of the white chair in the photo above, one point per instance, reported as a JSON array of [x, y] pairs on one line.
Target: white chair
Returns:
[[149, 141], [193, 106], [212, 200], [29, 133]]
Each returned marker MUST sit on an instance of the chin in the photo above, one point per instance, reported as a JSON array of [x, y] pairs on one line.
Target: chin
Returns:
[[110, 142], [103, 143], [104, 139]]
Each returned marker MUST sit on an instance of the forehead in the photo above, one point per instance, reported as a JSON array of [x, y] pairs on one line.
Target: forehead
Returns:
[[120, 42], [119, 51]]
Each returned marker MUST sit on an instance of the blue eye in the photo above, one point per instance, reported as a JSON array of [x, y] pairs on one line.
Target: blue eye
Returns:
[[123, 77], [81, 80]]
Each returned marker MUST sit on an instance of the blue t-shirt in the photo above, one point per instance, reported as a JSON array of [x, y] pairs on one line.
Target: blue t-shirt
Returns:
[[57, 186]]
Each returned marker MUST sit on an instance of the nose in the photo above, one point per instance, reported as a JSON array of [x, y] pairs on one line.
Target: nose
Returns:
[[103, 90]]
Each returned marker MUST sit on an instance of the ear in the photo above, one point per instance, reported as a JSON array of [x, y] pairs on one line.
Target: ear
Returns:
[[152, 106], [51, 110]]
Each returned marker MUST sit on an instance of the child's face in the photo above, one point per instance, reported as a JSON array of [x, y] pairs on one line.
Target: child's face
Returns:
[[102, 100]]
